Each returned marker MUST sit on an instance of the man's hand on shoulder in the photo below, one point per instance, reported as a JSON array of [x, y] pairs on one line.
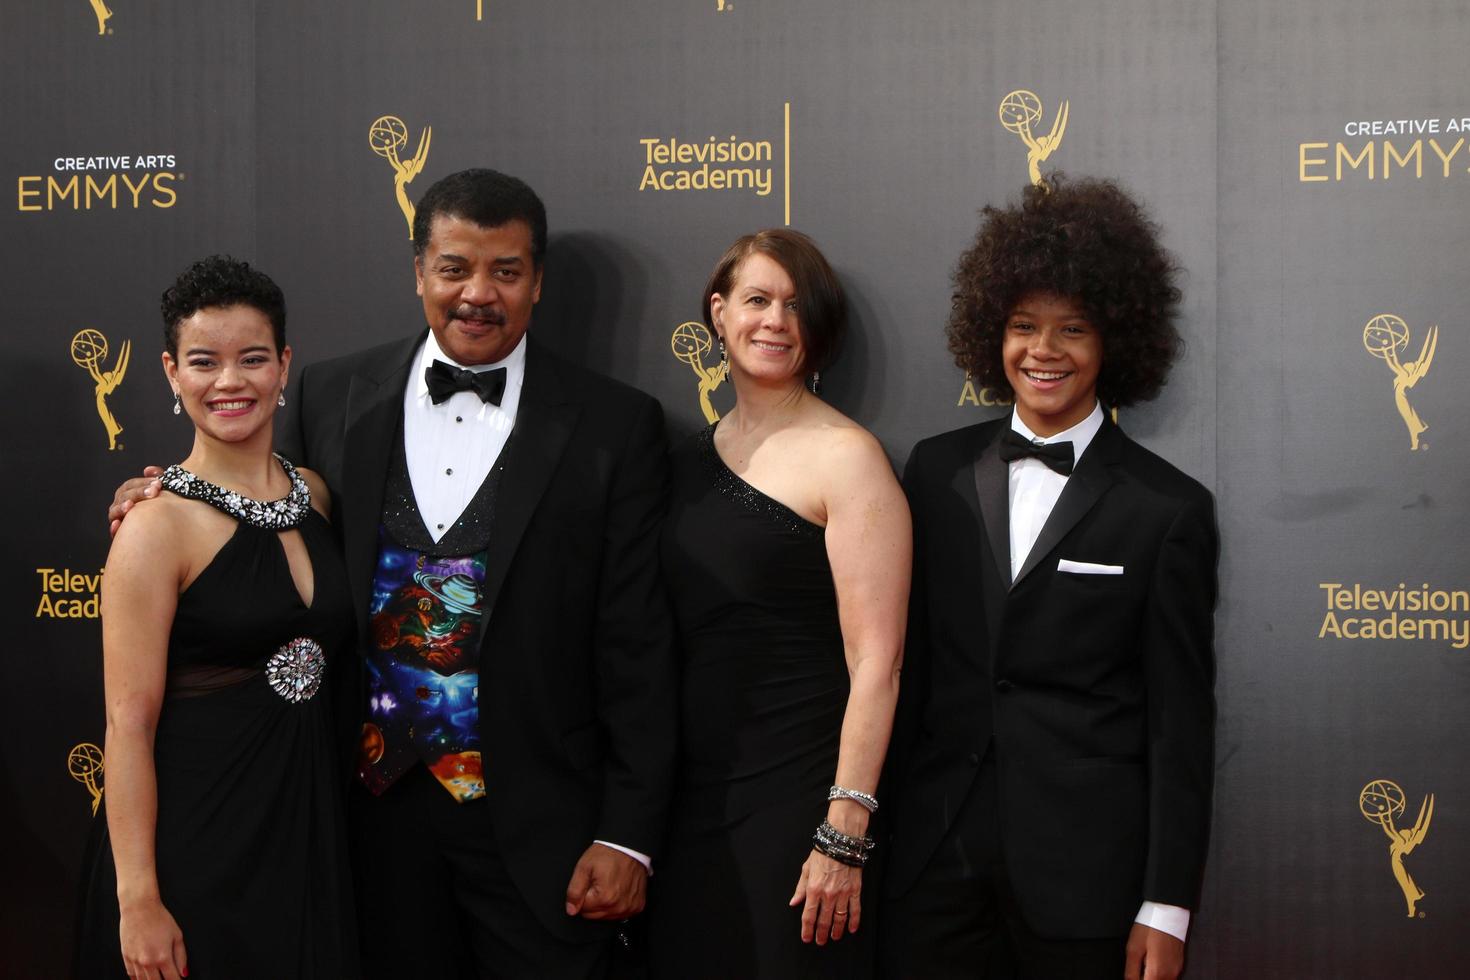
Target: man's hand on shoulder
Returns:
[[138, 488], [1152, 955], [606, 885]]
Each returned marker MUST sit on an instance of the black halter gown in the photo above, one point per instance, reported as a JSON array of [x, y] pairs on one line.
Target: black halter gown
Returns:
[[251, 850]]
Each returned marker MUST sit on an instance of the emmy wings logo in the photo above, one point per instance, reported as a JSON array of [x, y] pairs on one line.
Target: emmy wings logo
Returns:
[[103, 16], [89, 352], [692, 345], [84, 762], [387, 136], [1020, 111], [1385, 337], [1383, 802]]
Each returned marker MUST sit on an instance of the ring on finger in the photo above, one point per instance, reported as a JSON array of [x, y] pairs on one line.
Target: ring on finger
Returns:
[[840, 912]]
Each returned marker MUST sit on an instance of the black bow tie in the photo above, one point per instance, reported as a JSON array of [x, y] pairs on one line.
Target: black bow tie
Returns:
[[1057, 455], [445, 379]]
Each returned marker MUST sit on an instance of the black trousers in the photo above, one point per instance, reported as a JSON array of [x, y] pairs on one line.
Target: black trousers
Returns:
[[960, 917], [435, 900]]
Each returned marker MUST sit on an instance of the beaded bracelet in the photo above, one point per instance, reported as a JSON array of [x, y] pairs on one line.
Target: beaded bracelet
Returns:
[[865, 800], [854, 857], [840, 847], [850, 858]]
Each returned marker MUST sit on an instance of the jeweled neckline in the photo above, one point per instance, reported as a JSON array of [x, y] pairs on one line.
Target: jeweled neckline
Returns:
[[272, 515]]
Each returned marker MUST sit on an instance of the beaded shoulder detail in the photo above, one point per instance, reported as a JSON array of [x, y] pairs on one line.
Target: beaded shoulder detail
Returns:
[[729, 483], [272, 515]]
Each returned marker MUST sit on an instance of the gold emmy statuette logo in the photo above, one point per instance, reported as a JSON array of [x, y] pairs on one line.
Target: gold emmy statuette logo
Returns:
[[84, 762], [89, 350], [1384, 337], [1019, 111], [479, 9], [690, 343], [103, 14], [388, 135], [1382, 802]]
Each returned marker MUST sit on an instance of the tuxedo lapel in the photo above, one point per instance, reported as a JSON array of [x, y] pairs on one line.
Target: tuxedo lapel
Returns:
[[1088, 482], [374, 412], [992, 489], [544, 424], [985, 489]]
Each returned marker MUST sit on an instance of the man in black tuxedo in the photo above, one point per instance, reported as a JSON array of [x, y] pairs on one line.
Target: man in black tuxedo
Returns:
[[570, 638], [1052, 772], [509, 725]]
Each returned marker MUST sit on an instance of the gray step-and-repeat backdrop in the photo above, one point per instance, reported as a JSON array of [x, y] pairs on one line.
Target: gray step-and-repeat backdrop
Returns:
[[1308, 162]]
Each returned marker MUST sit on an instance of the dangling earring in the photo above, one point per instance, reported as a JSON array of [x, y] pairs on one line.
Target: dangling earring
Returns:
[[281, 399], [816, 382], [724, 361], [178, 405]]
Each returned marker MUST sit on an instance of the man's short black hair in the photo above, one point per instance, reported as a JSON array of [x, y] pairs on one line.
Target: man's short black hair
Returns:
[[488, 198]]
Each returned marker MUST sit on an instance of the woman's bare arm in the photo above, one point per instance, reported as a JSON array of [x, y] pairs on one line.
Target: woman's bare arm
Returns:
[[140, 589]]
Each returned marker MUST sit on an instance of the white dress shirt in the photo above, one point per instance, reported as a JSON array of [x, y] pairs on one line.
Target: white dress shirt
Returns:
[[452, 446], [1035, 487], [1034, 491]]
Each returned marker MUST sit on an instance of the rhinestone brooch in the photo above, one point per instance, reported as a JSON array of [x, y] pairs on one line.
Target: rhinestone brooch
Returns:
[[295, 671]]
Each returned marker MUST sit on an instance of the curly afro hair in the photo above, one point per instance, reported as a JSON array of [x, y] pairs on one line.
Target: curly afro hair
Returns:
[[1084, 240], [221, 281]]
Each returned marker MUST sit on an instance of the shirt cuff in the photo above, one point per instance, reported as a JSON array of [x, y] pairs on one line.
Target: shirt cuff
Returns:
[[1165, 918], [647, 861]]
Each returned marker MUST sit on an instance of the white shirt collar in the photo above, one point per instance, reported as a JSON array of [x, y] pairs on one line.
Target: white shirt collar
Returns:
[[514, 364], [1079, 435]]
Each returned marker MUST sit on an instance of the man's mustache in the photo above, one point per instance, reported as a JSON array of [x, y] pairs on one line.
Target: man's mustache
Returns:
[[487, 313]]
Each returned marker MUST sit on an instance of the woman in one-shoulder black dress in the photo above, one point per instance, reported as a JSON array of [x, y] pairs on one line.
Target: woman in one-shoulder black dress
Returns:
[[783, 695], [248, 850], [764, 689]]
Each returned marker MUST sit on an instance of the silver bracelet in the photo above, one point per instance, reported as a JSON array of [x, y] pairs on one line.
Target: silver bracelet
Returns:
[[864, 800]]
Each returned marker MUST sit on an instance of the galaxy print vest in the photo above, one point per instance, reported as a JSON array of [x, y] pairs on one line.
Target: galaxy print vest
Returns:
[[422, 657]]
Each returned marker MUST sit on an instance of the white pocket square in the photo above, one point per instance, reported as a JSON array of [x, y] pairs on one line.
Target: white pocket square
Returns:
[[1088, 568]]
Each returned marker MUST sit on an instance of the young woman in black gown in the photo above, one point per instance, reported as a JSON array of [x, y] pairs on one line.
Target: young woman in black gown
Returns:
[[222, 852], [787, 555]]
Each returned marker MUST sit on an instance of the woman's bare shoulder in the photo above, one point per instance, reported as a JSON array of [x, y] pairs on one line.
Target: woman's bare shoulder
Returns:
[[844, 447], [155, 532]]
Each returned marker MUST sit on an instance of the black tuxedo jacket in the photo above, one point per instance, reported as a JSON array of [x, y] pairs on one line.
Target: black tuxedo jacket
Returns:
[[577, 672], [1094, 692]]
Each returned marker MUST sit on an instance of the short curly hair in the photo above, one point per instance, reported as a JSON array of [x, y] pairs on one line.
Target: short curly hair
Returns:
[[218, 281], [1083, 240]]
